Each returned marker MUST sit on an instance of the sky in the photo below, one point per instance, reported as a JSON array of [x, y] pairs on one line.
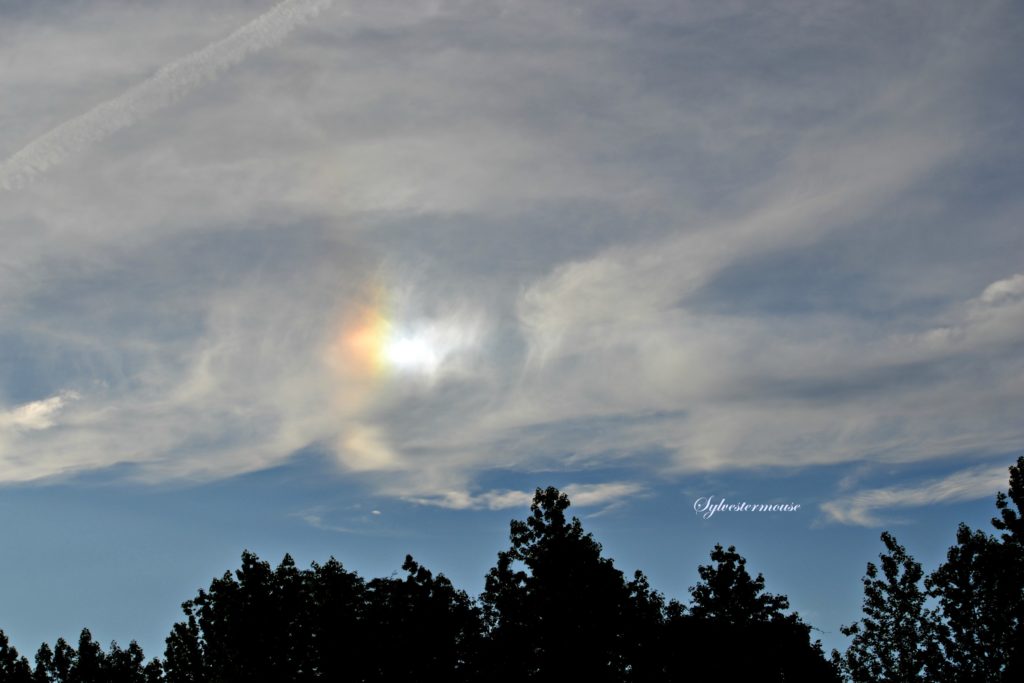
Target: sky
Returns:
[[354, 278]]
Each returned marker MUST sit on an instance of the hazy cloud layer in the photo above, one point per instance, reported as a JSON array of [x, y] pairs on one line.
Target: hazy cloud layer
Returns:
[[668, 236], [169, 84]]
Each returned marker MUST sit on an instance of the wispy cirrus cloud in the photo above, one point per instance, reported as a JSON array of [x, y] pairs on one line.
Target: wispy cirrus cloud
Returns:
[[22, 424], [874, 507], [581, 495], [36, 415], [654, 271], [168, 85]]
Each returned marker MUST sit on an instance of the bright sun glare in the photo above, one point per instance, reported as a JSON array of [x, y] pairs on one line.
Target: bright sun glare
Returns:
[[374, 343], [412, 353]]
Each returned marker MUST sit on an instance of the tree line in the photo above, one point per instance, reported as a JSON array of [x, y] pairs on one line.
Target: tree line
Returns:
[[553, 608], [963, 623]]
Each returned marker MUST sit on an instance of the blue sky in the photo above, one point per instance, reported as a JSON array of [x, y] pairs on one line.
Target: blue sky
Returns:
[[354, 278]]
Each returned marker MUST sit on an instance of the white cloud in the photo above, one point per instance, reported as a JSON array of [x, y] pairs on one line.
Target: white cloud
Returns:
[[314, 517], [36, 415], [169, 84], [21, 425], [580, 495], [363, 449], [560, 197], [599, 494], [865, 508], [1002, 291]]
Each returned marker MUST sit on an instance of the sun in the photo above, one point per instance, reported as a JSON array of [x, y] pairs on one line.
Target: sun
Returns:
[[412, 353], [372, 345], [384, 339]]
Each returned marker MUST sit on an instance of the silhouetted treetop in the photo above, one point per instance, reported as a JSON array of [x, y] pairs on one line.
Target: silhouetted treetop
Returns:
[[975, 589], [13, 667], [1010, 520], [733, 619], [553, 609], [730, 594], [87, 664], [974, 633], [893, 641], [565, 614]]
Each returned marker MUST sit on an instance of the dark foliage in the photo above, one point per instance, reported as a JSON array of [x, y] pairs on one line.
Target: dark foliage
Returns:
[[323, 623], [974, 588], [730, 613], [13, 667], [420, 628], [87, 664], [894, 640], [554, 608], [1011, 523], [974, 632]]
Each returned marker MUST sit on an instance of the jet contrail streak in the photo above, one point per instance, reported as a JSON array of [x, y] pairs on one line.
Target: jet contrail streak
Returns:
[[166, 86]]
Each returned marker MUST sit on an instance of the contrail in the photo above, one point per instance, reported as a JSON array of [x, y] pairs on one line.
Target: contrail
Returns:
[[166, 86]]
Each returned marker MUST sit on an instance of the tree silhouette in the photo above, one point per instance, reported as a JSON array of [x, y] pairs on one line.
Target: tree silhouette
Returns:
[[729, 594], [894, 641], [185, 661], [1011, 523], [129, 666], [731, 612], [645, 627], [553, 608], [87, 664], [1010, 520], [248, 626], [337, 606], [324, 623], [45, 670], [13, 667], [974, 589], [65, 661], [563, 616], [434, 627], [90, 662], [974, 632]]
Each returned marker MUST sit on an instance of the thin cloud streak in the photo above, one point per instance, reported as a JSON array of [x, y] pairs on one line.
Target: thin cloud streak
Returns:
[[581, 495], [36, 415], [862, 508], [167, 86]]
